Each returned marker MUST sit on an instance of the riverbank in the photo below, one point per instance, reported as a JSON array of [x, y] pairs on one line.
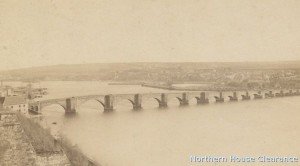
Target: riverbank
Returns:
[[25, 142], [15, 148], [159, 86], [125, 83]]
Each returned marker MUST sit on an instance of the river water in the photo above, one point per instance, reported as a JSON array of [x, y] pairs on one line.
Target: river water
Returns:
[[156, 137]]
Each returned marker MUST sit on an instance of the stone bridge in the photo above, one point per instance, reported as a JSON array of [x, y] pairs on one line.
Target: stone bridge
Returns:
[[108, 101]]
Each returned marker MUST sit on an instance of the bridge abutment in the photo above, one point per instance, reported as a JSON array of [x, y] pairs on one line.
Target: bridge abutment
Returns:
[[34, 108]]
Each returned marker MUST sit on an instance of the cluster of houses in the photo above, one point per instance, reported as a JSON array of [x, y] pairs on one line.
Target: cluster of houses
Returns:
[[14, 103], [16, 99], [11, 101]]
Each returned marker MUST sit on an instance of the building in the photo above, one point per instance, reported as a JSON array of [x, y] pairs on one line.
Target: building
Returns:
[[16, 103], [5, 91]]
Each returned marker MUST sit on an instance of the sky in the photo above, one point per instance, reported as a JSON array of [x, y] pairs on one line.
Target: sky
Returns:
[[51, 32]]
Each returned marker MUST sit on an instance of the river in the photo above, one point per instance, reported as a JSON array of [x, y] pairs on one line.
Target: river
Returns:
[[156, 137]]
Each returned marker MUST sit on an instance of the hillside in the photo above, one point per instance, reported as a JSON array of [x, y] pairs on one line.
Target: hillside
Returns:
[[107, 71]]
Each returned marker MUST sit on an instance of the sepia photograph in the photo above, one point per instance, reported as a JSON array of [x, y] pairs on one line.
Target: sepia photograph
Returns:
[[149, 82]]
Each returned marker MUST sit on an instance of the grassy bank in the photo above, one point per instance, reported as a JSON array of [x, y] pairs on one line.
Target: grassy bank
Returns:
[[45, 144], [75, 155], [40, 138], [15, 148]]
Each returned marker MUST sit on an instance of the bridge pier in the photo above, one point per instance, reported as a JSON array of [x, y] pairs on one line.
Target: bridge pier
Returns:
[[183, 100], [258, 95], [290, 93], [269, 95], [280, 94], [136, 102], [108, 104], [297, 93], [234, 97], [246, 96], [202, 99], [163, 101], [220, 98], [71, 105]]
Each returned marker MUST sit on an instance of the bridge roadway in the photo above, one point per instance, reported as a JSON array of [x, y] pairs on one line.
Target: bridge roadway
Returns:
[[70, 104]]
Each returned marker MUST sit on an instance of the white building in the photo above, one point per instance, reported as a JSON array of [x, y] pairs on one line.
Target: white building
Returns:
[[16, 103]]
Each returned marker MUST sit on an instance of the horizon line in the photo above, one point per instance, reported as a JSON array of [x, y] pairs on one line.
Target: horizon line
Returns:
[[68, 64]]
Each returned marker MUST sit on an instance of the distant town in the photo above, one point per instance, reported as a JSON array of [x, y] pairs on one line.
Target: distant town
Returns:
[[202, 76]]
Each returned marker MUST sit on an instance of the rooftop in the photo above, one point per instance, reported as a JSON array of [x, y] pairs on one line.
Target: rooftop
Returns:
[[14, 100]]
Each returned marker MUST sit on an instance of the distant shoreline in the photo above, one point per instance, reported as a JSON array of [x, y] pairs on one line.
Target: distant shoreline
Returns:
[[190, 87], [125, 83]]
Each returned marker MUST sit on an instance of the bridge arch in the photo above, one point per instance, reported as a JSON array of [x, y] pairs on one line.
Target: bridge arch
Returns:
[[82, 103], [42, 107]]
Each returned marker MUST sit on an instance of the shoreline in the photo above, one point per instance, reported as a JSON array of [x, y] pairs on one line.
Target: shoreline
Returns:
[[197, 88], [25, 142], [19, 149]]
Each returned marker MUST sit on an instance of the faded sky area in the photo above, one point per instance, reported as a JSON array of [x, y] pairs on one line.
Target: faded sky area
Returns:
[[49, 32]]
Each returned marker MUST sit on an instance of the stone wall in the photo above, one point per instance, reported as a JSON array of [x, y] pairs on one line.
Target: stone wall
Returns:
[[16, 149]]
